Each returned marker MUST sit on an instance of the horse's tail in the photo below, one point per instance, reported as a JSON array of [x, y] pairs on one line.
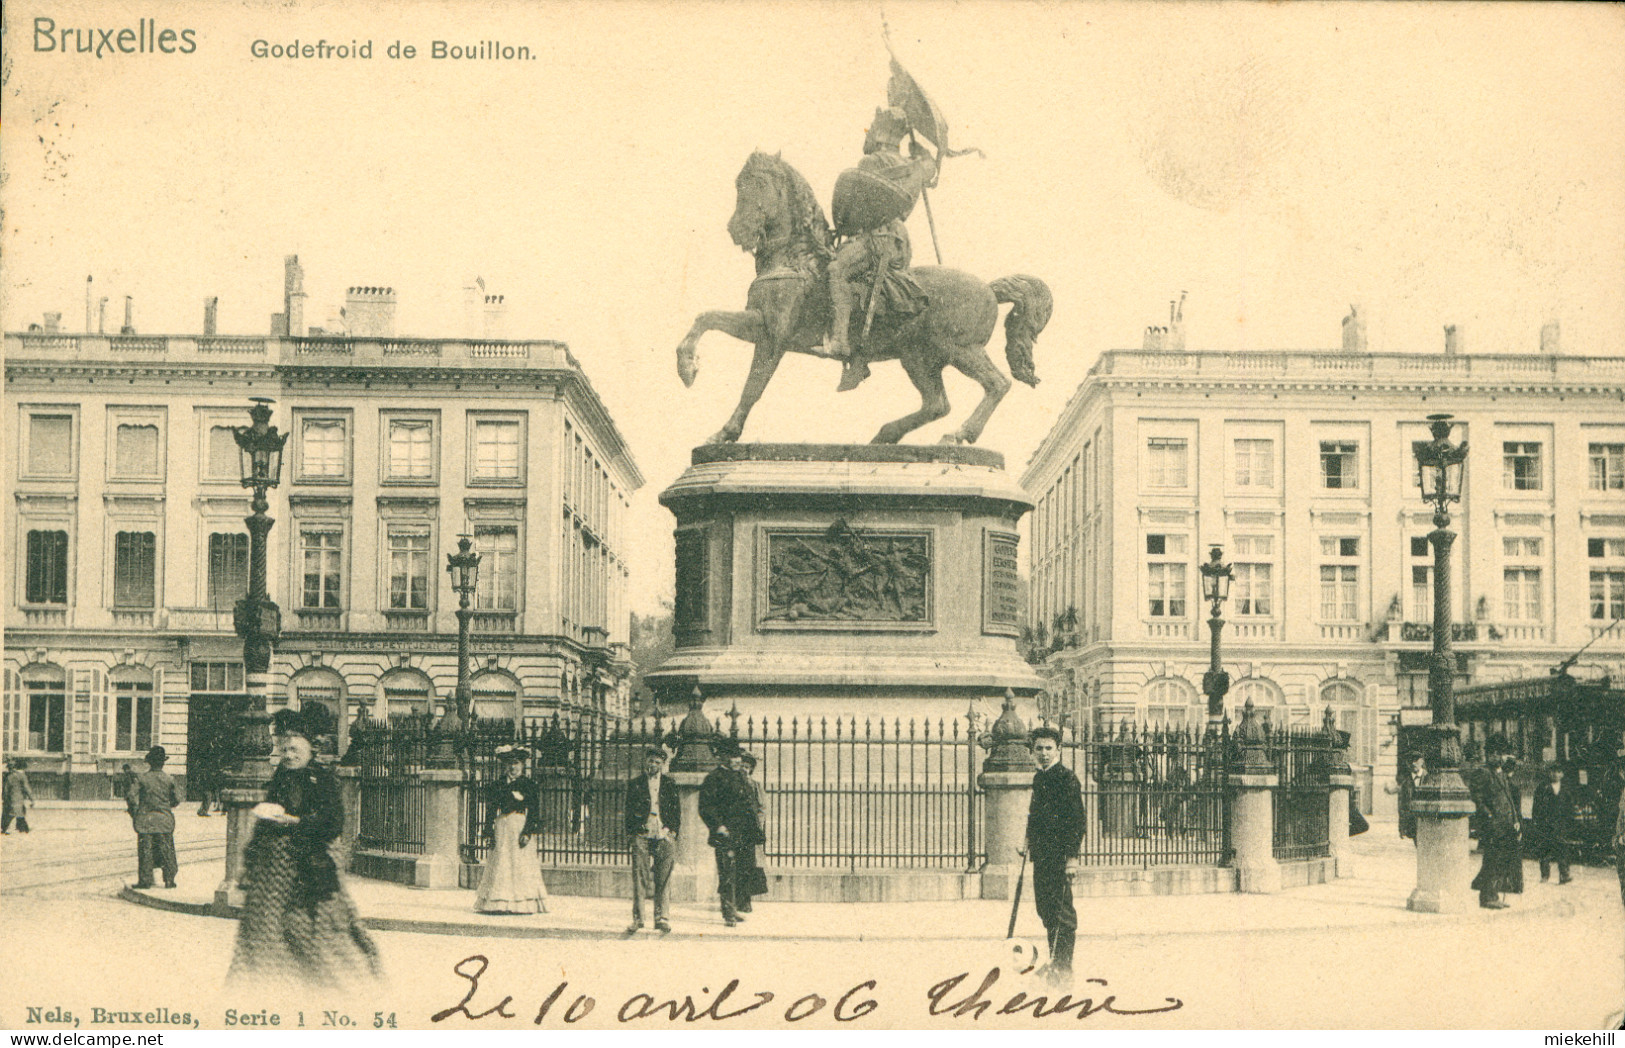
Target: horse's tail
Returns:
[[1029, 312]]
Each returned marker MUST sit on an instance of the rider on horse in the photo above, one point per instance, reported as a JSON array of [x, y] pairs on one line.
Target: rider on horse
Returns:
[[869, 206]]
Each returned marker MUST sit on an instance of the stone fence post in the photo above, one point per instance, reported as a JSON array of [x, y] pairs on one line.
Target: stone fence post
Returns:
[[442, 858], [1339, 790], [1252, 810], [694, 874], [1007, 782]]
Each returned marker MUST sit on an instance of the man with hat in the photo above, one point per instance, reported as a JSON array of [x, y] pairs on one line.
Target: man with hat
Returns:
[[728, 809], [152, 800], [1499, 804]]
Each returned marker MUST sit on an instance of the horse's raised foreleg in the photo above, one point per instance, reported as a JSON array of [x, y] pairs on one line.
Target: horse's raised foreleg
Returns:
[[933, 401], [974, 364], [746, 325], [762, 366]]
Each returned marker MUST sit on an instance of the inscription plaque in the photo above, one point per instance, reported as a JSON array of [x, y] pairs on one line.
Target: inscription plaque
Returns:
[[1001, 589], [691, 611]]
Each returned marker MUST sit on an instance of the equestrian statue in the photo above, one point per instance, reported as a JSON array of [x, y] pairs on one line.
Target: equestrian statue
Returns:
[[851, 293]]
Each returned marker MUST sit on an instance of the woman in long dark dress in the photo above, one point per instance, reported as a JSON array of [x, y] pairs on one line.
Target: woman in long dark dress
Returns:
[[511, 879], [298, 924]]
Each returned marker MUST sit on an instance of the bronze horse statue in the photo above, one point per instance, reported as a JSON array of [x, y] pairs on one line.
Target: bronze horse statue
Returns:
[[778, 220]]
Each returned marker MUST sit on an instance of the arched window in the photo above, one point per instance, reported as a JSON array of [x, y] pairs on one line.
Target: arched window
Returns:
[[318, 687], [1344, 697], [1172, 703], [132, 716], [36, 710], [496, 696], [1268, 701], [405, 693]]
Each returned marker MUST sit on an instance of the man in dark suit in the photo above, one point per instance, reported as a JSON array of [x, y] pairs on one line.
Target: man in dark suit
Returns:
[[654, 814], [152, 802], [1553, 824], [728, 806], [1054, 835], [1499, 804]]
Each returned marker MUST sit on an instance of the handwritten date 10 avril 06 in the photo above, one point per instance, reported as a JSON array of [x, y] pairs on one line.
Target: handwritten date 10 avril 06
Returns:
[[952, 998]]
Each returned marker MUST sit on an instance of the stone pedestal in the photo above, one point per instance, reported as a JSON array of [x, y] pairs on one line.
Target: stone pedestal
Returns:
[[1252, 831], [1004, 829], [1442, 850], [238, 800], [694, 874], [1337, 823], [441, 860], [833, 579]]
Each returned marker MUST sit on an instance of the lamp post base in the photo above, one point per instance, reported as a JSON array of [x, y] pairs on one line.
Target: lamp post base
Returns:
[[1441, 853]]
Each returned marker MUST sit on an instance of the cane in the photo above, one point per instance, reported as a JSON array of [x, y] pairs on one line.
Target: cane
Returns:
[[1016, 903]]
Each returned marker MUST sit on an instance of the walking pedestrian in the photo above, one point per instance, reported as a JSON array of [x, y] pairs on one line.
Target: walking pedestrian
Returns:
[[1499, 839], [1410, 777], [754, 883], [652, 818], [1054, 835], [510, 877], [151, 802], [727, 808], [1553, 825], [19, 797], [298, 925]]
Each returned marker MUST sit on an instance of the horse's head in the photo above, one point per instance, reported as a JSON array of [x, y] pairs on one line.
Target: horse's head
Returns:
[[760, 206]]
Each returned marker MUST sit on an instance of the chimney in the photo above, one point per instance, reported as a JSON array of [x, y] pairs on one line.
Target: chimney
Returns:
[[129, 317], [1453, 340], [496, 317], [101, 316], [211, 306], [293, 297], [473, 296], [53, 323], [1354, 331], [1156, 339], [88, 281], [1551, 338], [370, 312]]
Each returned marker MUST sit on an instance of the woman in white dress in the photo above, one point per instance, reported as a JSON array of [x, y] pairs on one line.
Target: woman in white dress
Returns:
[[511, 878]]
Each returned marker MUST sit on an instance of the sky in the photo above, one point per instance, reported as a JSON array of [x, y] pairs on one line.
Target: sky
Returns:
[[1454, 164]]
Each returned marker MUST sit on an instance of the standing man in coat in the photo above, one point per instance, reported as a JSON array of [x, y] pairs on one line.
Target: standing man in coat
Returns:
[[1499, 840], [1553, 824], [19, 796], [653, 816], [729, 811], [152, 804], [1054, 835]]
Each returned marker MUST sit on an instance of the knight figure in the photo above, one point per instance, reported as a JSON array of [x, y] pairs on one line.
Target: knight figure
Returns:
[[869, 206]]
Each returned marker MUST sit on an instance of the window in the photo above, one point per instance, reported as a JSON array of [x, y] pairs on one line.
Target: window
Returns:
[[1165, 462], [409, 568], [223, 677], [1521, 546], [495, 697], [1521, 590], [1339, 580], [1172, 703], [47, 568], [411, 449], [496, 449], [498, 548], [135, 450], [1421, 593], [1607, 467], [1165, 579], [50, 445], [322, 449], [1251, 585], [1255, 463], [1419, 546], [1607, 580], [225, 460], [321, 550], [47, 712], [134, 569], [1520, 462], [406, 693], [1339, 464], [132, 716], [228, 568]]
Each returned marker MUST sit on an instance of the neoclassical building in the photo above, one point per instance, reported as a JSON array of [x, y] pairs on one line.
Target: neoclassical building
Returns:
[[1300, 465], [128, 549]]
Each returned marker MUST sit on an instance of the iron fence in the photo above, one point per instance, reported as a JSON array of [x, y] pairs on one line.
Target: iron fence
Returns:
[[1152, 797], [390, 756], [1301, 757], [876, 793]]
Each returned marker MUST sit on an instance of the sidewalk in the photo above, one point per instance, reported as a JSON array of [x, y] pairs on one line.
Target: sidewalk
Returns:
[[1375, 897]]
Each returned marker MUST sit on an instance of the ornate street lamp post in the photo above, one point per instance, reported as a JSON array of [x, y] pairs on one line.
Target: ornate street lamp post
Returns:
[[464, 569], [1441, 800], [259, 622], [1216, 577]]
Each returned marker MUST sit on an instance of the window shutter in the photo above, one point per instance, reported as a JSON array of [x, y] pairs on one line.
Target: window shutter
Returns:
[[12, 718]]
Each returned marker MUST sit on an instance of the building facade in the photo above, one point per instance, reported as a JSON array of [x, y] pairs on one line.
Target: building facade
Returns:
[[1301, 466], [128, 547]]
